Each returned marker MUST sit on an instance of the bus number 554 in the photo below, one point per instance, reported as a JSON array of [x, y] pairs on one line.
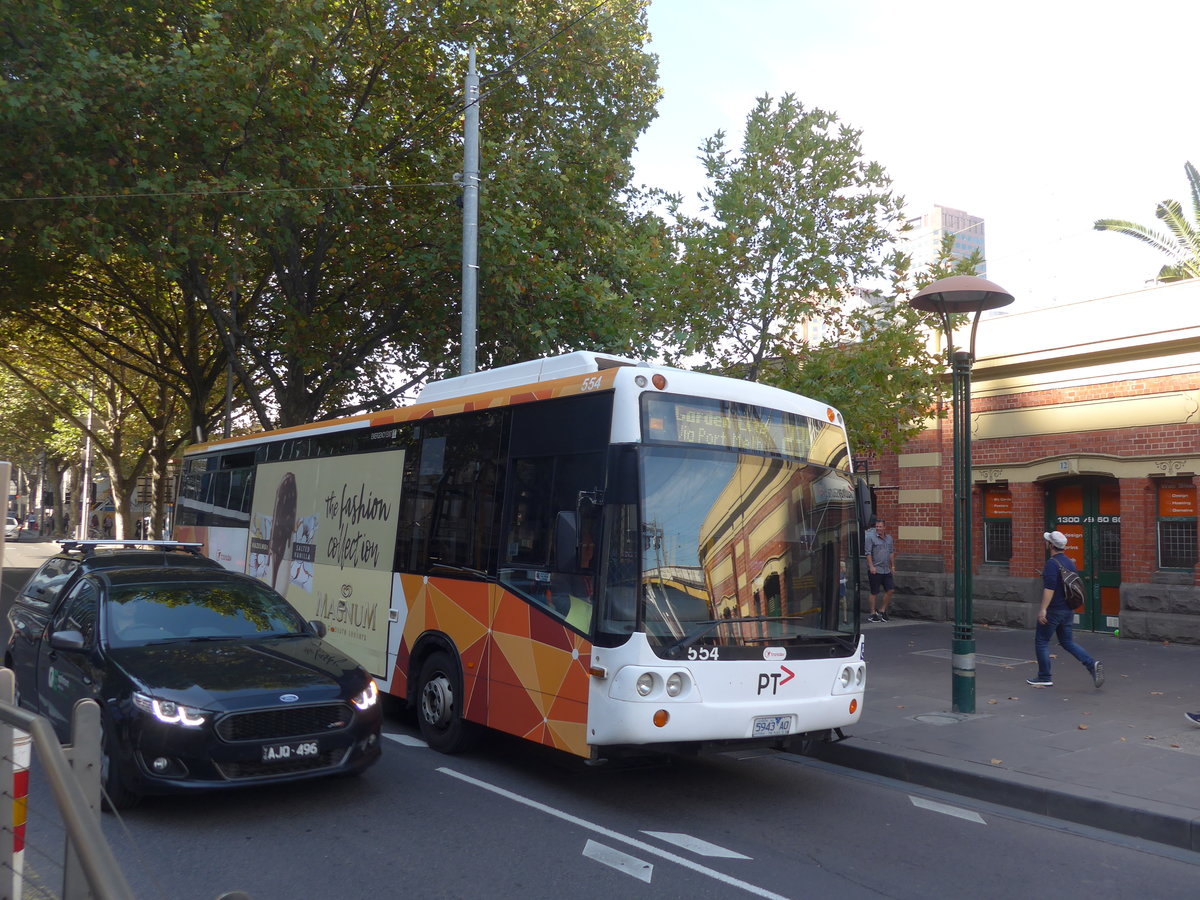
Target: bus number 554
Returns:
[[703, 652]]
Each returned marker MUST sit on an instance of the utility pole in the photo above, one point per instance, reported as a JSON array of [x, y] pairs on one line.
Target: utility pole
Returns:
[[81, 530], [233, 308], [470, 202]]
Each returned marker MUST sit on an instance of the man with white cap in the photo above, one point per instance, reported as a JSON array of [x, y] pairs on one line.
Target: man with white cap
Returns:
[[1055, 617]]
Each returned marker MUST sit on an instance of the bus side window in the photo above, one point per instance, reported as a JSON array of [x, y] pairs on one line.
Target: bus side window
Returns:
[[528, 537], [548, 545], [449, 497]]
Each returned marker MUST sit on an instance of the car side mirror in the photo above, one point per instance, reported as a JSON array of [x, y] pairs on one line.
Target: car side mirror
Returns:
[[318, 628], [69, 639]]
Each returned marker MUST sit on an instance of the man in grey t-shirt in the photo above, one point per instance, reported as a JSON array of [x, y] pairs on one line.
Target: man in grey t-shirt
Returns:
[[881, 563]]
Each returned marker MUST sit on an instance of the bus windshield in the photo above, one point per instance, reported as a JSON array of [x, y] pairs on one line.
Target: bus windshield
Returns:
[[743, 551]]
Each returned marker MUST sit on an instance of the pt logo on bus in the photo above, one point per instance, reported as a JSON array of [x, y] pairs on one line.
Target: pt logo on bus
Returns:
[[774, 680]]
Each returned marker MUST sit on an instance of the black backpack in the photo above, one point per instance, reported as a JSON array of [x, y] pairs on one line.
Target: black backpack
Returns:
[[1073, 590]]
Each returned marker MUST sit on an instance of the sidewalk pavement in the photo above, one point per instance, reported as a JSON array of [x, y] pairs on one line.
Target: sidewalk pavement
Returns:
[[1121, 757]]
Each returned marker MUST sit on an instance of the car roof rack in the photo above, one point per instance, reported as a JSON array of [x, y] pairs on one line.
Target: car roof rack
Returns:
[[91, 546]]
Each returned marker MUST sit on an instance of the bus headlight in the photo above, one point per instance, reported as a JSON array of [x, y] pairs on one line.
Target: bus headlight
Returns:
[[850, 679], [645, 684], [638, 684]]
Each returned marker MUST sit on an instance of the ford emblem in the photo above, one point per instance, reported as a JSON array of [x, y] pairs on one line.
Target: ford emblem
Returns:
[[288, 698]]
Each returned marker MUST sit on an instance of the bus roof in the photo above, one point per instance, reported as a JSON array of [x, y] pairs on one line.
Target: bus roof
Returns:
[[580, 362], [539, 379]]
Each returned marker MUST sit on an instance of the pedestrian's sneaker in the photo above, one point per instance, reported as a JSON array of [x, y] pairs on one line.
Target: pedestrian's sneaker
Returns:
[[1039, 682], [1098, 673], [883, 617], [1194, 718], [874, 617]]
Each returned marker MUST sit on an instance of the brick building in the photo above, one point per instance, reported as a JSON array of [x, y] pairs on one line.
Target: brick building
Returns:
[[1085, 419]]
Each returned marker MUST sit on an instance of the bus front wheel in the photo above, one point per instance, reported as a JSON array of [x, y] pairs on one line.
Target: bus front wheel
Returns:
[[439, 706]]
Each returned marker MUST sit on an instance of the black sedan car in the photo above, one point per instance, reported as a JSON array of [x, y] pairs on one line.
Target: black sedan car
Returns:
[[206, 678]]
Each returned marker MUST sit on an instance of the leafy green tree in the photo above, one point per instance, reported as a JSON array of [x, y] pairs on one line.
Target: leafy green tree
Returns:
[[789, 226], [878, 369], [288, 168], [792, 275], [131, 421], [30, 436], [1180, 243]]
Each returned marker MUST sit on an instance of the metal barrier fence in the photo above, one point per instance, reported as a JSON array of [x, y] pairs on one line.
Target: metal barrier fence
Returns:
[[89, 868]]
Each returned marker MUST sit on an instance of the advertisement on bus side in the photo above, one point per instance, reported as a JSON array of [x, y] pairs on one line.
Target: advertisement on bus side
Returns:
[[323, 533]]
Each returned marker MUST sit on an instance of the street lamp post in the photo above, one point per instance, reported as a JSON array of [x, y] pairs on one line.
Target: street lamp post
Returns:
[[949, 297]]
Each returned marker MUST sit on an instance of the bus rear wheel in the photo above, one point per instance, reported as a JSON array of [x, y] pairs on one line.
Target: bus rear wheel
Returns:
[[439, 706]]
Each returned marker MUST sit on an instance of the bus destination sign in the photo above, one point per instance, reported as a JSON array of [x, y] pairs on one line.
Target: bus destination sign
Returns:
[[724, 424]]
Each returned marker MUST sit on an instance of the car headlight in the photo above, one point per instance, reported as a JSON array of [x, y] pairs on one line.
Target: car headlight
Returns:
[[368, 697], [170, 712]]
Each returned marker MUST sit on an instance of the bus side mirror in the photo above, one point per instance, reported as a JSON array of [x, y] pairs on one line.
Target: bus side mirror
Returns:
[[862, 498], [566, 541]]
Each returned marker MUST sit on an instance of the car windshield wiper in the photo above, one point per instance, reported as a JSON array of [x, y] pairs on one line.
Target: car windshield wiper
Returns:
[[207, 637]]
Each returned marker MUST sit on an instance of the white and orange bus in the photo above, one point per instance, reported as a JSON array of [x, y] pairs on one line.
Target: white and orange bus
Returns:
[[586, 551]]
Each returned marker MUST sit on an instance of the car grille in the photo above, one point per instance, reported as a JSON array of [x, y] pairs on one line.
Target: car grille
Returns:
[[326, 760], [288, 722]]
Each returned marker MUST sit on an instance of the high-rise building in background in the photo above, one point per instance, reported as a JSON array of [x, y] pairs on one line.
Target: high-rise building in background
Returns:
[[925, 238]]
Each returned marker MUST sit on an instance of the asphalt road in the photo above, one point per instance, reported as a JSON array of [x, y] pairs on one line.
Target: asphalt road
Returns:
[[512, 820]]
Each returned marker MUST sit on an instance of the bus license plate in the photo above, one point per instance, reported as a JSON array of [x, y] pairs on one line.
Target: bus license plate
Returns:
[[290, 751], [769, 726]]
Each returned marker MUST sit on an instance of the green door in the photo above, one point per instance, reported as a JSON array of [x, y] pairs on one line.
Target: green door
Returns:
[[1088, 512]]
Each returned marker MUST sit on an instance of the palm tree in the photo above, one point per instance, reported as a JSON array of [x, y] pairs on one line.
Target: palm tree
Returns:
[[1182, 245]]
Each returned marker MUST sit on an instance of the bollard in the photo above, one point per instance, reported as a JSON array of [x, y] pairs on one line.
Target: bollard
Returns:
[[22, 751]]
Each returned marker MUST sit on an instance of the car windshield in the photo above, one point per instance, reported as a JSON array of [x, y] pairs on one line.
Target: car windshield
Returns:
[[740, 550], [196, 610]]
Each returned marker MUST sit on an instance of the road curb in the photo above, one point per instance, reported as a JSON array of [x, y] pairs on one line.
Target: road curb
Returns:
[[1159, 822]]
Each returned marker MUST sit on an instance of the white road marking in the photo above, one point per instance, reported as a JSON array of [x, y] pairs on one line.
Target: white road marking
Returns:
[[641, 846], [947, 809], [695, 845], [622, 862], [406, 740]]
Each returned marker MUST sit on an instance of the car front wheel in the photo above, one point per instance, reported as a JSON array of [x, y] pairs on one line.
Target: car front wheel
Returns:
[[114, 785]]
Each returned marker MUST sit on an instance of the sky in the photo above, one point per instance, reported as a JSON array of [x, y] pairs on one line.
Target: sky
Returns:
[[1040, 117]]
